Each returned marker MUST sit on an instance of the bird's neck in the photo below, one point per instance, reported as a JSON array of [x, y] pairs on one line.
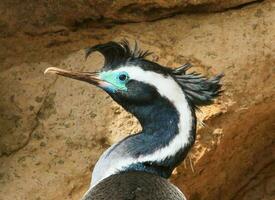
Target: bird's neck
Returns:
[[168, 132], [158, 118]]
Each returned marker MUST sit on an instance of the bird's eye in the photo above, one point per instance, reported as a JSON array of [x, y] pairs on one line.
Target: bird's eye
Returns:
[[123, 76]]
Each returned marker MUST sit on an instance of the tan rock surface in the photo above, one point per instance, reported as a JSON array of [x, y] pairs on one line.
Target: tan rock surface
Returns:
[[52, 130], [40, 17]]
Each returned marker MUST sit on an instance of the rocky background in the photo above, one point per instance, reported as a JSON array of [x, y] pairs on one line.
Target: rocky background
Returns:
[[52, 129]]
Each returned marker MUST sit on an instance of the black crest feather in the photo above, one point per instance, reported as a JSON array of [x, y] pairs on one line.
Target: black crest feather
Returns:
[[198, 89], [182, 69], [118, 53]]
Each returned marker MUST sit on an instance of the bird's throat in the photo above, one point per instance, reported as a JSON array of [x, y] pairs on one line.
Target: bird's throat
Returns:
[[160, 116]]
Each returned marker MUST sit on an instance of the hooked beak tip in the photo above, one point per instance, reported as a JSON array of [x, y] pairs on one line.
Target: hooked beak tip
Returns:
[[52, 70]]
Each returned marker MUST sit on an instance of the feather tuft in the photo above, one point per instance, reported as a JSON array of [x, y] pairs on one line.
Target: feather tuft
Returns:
[[199, 89], [117, 53]]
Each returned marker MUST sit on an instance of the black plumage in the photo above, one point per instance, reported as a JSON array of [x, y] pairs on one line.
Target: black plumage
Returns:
[[198, 89], [118, 54]]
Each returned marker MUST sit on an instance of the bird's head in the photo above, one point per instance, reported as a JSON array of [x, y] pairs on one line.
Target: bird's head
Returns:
[[129, 78]]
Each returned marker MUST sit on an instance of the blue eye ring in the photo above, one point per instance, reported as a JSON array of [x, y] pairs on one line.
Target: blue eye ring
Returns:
[[123, 76]]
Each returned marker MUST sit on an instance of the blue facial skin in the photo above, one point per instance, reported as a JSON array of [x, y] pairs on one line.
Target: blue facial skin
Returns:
[[117, 80]]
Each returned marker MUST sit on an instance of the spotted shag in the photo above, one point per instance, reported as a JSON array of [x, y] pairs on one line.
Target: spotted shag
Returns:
[[164, 101]]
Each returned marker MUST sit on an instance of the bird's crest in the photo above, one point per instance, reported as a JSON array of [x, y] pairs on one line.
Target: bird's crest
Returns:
[[199, 89], [117, 54]]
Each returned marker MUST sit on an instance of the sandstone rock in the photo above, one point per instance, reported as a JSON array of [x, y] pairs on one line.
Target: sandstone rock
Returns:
[[21, 99], [71, 123], [36, 17]]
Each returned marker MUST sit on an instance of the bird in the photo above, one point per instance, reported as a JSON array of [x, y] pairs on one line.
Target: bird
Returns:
[[164, 100]]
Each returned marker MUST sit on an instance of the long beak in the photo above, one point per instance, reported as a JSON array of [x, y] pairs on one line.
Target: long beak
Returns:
[[90, 77]]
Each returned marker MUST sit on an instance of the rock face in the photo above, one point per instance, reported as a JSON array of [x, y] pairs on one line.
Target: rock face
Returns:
[[43, 16], [52, 129]]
